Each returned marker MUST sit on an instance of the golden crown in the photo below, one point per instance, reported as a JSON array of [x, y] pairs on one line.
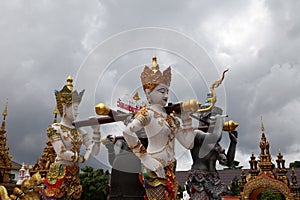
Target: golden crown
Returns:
[[153, 77], [66, 96]]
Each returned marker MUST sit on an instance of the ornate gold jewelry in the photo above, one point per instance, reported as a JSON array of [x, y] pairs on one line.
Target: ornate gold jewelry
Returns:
[[135, 146], [141, 115], [74, 136], [55, 138], [143, 150], [153, 77], [62, 149], [66, 96], [74, 156], [56, 171], [52, 132]]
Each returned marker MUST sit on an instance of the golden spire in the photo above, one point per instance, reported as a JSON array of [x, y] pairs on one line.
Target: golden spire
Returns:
[[262, 124], [5, 109], [136, 96], [279, 151], [4, 116]]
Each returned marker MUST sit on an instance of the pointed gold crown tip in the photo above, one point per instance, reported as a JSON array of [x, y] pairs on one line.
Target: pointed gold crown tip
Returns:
[[69, 83], [155, 66], [70, 78]]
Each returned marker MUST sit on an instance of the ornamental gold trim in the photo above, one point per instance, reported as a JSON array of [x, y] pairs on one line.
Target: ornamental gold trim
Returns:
[[263, 181]]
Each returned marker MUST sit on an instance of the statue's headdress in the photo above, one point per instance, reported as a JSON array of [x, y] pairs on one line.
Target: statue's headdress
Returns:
[[66, 96], [153, 77]]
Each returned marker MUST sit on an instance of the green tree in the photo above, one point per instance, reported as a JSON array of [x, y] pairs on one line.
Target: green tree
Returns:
[[295, 164], [269, 195], [235, 187], [94, 183]]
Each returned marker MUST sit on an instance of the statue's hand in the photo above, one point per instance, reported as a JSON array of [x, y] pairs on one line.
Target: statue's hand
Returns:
[[96, 126], [233, 136], [108, 141], [153, 165]]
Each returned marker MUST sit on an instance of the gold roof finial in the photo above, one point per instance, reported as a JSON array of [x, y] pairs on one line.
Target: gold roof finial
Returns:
[[136, 96], [279, 151], [4, 116], [69, 83], [5, 109], [262, 124]]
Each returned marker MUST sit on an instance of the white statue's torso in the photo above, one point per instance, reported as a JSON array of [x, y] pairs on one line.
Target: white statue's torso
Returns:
[[72, 140], [161, 138]]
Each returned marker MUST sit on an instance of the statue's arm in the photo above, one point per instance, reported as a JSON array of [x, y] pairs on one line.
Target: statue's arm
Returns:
[[232, 147], [185, 134], [141, 120], [109, 143]]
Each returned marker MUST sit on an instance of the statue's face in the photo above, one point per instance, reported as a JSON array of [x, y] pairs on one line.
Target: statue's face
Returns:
[[158, 96], [71, 112]]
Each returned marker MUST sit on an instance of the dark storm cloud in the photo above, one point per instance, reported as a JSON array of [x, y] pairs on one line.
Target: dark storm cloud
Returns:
[[42, 42]]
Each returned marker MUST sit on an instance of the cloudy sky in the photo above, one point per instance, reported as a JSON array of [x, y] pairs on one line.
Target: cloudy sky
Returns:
[[105, 44]]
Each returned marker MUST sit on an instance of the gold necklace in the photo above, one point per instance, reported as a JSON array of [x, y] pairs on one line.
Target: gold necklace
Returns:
[[75, 139]]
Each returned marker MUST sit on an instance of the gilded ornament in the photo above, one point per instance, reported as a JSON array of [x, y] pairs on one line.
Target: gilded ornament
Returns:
[[52, 132], [56, 171], [142, 118], [66, 96], [131, 128], [153, 77]]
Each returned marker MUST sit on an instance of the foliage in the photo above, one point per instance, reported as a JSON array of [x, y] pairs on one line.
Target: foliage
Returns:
[[295, 164], [269, 195], [235, 187], [181, 189], [234, 165], [94, 183]]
